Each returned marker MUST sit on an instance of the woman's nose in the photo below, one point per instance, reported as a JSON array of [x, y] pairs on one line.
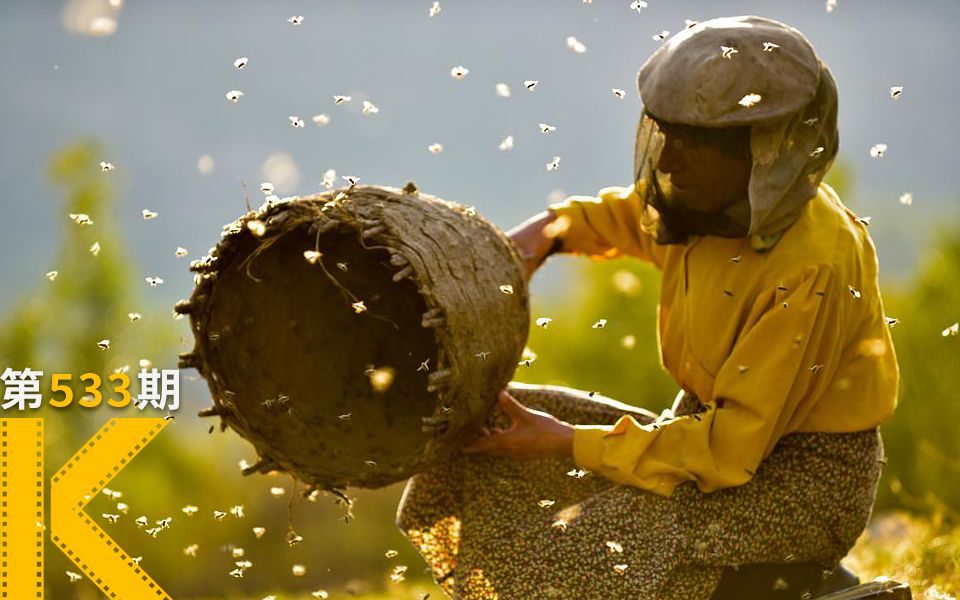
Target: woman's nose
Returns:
[[671, 157]]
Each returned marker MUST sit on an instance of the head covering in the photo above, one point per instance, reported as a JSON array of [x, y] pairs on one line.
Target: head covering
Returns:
[[739, 71]]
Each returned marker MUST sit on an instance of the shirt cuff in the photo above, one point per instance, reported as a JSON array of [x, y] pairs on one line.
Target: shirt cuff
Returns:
[[557, 210], [588, 446], [577, 237]]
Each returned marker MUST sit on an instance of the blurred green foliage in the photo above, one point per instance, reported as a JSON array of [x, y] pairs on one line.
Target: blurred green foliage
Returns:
[[922, 445], [619, 360], [57, 325], [919, 549]]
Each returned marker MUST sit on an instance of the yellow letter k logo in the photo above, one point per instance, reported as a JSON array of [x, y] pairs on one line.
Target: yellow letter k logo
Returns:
[[78, 482]]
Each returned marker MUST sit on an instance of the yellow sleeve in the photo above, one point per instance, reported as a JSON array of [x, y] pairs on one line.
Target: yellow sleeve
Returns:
[[782, 361], [605, 226]]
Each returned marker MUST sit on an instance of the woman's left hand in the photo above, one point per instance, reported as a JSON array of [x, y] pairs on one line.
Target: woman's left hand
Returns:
[[532, 434]]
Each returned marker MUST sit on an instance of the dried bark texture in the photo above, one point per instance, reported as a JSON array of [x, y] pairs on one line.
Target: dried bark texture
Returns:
[[293, 366]]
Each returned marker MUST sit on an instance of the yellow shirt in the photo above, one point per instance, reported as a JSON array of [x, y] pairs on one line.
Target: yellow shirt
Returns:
[[790, 340]]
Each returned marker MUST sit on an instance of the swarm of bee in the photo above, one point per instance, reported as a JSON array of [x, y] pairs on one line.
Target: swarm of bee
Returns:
[[339, 333]]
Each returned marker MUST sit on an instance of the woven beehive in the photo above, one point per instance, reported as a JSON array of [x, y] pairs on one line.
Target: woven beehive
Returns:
[[355, 336]]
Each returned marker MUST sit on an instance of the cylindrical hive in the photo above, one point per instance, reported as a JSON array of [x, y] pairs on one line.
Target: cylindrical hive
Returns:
[[355, 336]]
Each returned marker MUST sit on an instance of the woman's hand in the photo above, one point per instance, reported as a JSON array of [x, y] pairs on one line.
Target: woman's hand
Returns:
[[532, 434], [533, 243]]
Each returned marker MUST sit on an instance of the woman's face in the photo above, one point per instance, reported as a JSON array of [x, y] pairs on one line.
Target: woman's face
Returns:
[[708, 168]]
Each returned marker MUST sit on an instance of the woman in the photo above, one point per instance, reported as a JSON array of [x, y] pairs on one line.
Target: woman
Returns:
[[770, 321]]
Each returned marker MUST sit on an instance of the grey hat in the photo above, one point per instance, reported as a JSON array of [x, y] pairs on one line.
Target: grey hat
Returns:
[[699, 76]]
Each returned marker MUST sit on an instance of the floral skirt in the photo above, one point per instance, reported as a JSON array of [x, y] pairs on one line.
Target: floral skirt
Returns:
[[492, 527]]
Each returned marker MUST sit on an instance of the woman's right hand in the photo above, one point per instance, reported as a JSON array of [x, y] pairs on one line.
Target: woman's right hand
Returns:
[[532, 242]]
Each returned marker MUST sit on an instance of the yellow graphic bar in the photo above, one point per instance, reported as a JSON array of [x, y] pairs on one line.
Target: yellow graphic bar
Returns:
[[21, 508], [79, 481]]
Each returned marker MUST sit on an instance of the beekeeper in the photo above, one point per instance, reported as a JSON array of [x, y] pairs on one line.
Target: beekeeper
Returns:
[[770, 322]]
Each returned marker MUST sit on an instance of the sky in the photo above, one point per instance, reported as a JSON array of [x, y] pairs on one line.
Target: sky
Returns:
[[153, 95]]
